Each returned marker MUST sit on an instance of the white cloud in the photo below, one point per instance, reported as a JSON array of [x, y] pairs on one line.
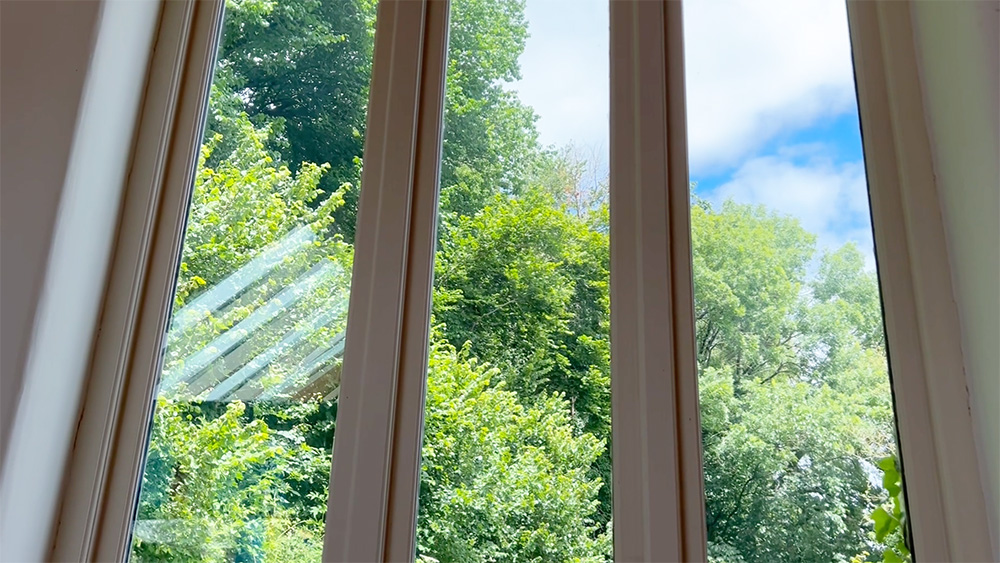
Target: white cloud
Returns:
[[565, 71], [757, 68], [830, 200]]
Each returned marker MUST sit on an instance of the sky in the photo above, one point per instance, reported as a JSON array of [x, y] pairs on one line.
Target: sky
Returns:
[[772, 117]]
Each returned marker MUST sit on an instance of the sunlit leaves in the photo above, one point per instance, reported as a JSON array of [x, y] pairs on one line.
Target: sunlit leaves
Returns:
[[502, 481], [890, 519]]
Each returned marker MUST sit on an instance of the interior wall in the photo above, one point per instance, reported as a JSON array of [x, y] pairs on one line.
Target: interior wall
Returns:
[[71, 100], [45, 50], [959, 48]]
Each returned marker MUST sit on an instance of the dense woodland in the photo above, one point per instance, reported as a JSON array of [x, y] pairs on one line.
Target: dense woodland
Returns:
[[797, 417]]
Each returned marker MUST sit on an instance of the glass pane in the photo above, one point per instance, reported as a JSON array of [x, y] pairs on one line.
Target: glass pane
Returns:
[[796, 405], [516, 460], [240, 450]]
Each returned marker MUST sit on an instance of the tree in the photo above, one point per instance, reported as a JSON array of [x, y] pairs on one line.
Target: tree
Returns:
[[749, 268], [526, 285], [795, 400], [490, 143], [784, 471], [303, 68], [232, 480], [247, 201], [212, 491], [501, 481]]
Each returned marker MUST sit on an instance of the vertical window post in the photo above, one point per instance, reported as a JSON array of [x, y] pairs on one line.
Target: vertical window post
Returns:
[[657, 484], [944, 495], [371, 510]]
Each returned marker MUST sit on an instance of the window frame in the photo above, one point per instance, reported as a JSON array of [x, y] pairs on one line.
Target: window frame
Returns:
[[657, 485], [946, 507], [374, 481], [101, 483], [381, 413]]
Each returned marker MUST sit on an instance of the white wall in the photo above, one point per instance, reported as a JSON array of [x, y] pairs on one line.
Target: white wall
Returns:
[[73, 78], [959, 46], [45, 52]]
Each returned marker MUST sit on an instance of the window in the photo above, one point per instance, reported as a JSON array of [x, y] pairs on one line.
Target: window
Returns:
[[797, 418], [240, 447], [516, 460], [279, 330]]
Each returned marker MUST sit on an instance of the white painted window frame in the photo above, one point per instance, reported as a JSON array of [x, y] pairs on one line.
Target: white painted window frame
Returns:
[[657, 485], [372, 508], [100, 487], [945, 500], [657, 482]]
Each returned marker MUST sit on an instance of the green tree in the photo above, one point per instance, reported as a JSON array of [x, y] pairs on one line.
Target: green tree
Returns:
[[749, 269], [795, 400], [212, 490], [490, 143], [228, 481], [303, 68], [246, 202], [784, 473], [501, 481], [526, 285]]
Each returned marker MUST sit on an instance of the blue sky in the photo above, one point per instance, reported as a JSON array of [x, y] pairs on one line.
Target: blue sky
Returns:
[[771, 108]]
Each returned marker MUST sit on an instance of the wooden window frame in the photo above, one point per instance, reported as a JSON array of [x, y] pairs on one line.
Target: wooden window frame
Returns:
[[658, 491]]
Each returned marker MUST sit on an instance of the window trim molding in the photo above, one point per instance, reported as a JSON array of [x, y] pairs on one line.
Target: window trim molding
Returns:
[[658, 488], [944, 488]]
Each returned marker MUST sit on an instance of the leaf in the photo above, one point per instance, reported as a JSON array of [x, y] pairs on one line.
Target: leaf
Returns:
[[883, 523], [887, 464]]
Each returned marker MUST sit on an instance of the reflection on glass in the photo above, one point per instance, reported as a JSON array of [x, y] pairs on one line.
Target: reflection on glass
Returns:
[[516, 461], [796, 406], [240, 448]]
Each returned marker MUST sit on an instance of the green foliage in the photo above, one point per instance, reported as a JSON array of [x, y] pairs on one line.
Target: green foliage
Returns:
[[246, 202], [228, 481], [303, 68], [213, 490], [501, 481], [890, 519], [749, 268], [490, 144], [524, 284], [795, 400], [783, 462]]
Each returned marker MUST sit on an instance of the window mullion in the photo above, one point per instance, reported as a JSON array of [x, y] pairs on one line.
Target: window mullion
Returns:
[[376, 451], [657, 483], [404, 480]]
